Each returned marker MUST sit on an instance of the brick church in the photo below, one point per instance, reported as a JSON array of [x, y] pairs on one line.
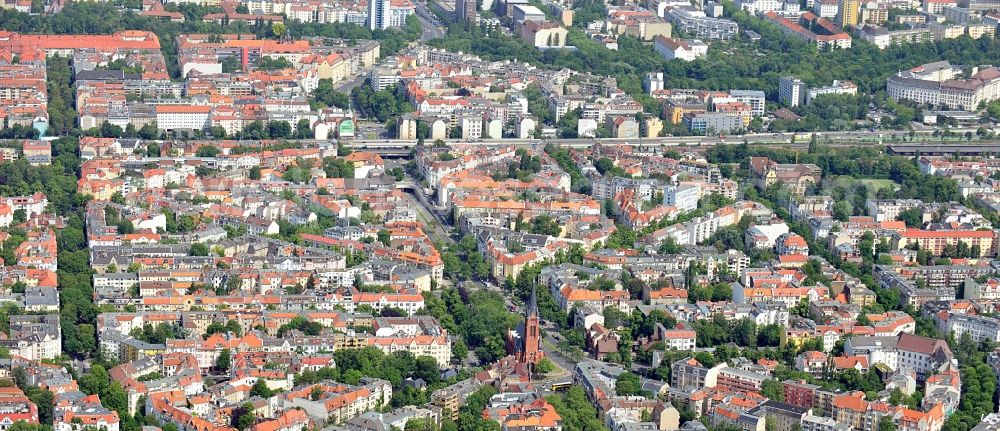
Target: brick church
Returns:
[[524, 341]]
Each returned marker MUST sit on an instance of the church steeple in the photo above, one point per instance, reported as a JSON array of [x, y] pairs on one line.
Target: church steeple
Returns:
[[532, 308], [530, 350]]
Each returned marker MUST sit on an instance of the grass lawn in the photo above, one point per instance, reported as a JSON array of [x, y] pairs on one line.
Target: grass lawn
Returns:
[[876, 185]]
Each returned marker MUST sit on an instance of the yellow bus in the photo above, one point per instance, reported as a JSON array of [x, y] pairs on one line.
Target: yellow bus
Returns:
[[561, 386]]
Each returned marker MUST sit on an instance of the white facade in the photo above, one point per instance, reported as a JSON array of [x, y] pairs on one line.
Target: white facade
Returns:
[[979, 328], [685, 198], [838, 87], [791, 91], [204, 68], [826, 9], [183, 120], [378, 11], [754, 98], [687, 50]]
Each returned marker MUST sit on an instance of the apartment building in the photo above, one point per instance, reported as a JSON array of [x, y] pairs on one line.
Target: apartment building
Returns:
[[694, 22], [940, 83], [979, 242], [689, 374], [812, 29], [791, 91]]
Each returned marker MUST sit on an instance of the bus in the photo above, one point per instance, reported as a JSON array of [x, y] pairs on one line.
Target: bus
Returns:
[[561, 386]]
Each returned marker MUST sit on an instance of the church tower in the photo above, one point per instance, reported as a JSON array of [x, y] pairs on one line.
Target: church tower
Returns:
[[530, 351]]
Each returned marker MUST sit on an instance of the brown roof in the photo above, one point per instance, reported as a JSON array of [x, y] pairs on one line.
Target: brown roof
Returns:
[[915, 343]]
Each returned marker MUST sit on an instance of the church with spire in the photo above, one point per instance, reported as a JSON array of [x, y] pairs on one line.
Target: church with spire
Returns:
[[524, 342]]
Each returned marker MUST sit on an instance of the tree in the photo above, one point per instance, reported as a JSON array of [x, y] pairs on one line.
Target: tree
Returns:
[[279, 129], [885, 423], [223, 361], [604, 165], [218, 132], [198, 249], [243, 416], [841, 211], [773, 389], [207, 151], [303, 129], [260, 389], [152, 149], [115, 398], [316, 393], [326, 95], [147, 132], [21, 216], [118, 198], [577, 412], [545, 366], [427, 369], [268, 64], [545, 224], [628, 383], [95, 381], [459, 350], [278, 29], [912, 217]]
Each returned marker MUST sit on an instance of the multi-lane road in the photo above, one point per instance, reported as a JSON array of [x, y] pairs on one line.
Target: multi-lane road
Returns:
[[431, 26], [786, 139]]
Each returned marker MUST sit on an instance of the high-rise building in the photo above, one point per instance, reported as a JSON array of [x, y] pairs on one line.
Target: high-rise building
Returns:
[[378, 11], [848, 12], [791, 91], [465, 10]]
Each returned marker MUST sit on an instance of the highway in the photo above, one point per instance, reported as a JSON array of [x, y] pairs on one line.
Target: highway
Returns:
[[401, 148], [825, 138], [430, 25]]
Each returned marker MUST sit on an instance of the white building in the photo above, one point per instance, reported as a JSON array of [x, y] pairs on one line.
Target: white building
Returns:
[[685, 198], [524, 13], [472, 126], [653, 82], [687, 50], [980, 328], [838, 87], [754, 98], [940, 83], [764, 236], [759, 7], [791, 91], [182, 117], [923, 355], [826, 8], [378, 11], [936, 7]]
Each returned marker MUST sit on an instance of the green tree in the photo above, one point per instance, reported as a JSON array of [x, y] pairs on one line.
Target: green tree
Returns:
[[207, 151], [773, 389], [912, 217], [545, 366], [198, 249], [628, 383], [223, 361], [260, 389]]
